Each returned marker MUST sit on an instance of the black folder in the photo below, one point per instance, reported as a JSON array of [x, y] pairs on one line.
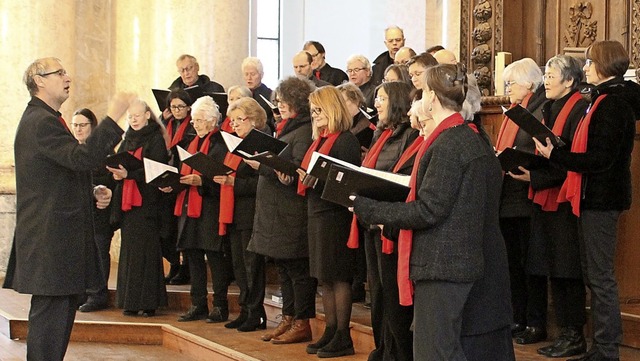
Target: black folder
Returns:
[[195, 92], [530, 124], [128, 161], [343, 182], [273, 107], [511, 159], [320, 169], [255, 142], [208, 166], [272, 160], [162, 175]]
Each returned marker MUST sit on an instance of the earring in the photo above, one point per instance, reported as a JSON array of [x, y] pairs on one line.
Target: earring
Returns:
[[431, 107]]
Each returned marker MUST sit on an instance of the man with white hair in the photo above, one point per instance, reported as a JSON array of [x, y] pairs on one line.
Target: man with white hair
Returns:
[[393, 40], [445, 56], [359, 73], [253, 72], [188, 69]]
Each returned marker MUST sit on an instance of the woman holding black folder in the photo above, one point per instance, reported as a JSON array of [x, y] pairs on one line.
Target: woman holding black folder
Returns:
[[198, 208], [280, 222], [452, 263], [136, 210], [330, 260], [238, 192]]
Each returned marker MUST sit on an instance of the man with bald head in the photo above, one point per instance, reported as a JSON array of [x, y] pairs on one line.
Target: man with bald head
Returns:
[[302, 66], [393, 40], [403, 55], [445, 56]]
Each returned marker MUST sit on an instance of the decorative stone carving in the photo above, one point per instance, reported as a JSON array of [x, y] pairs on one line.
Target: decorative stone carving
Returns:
[[483, 75], [481, 54], [635, 35], [482, 33], [482, 12], [581, 30]]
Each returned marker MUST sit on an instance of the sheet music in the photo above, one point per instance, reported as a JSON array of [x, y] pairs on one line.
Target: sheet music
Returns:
[[183, 154], [231, 141], [153, 169]]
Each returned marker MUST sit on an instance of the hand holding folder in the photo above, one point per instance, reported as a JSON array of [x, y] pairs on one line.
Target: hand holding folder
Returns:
[[510, 159], [162, 175], [255, 142], [535, 128], [203, 164], [126, 159]]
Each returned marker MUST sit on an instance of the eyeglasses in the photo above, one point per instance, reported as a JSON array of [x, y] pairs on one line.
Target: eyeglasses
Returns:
[[60, 72], [178, 107], [314, 55], [185, 69], [380, 99], [548, 77], [239, 120], [316, 111], [80, 125], [588, 62], [509, 84], [354, 70], [197, 121]]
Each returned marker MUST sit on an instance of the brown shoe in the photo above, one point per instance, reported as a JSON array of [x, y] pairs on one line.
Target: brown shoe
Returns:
[[300, 331], [282, 327]]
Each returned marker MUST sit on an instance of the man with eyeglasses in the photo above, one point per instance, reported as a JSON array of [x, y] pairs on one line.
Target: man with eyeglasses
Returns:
[[54, 256], [322, 70], [359, 72], [302, 67], [188, 69], [393, 40]]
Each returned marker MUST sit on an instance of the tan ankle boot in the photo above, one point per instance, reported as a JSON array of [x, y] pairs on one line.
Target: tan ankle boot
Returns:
[[282, 327], [300, 331]]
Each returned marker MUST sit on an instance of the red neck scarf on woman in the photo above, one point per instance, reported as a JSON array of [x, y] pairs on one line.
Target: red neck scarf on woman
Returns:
[[509, 129], [572, 186], [280, 126], [330, 139], [179, 132], [405, 240], [547, 198], [226, 125], [131, 196], [194, 207], [227, 196], [369, 161]]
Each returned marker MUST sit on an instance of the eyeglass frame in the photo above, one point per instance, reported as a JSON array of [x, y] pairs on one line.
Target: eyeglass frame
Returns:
[[178, 107], [355, 70], [316, 111], [59, 72]]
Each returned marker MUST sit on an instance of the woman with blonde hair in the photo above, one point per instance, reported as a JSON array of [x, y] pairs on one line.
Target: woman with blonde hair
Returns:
[[330, 260]]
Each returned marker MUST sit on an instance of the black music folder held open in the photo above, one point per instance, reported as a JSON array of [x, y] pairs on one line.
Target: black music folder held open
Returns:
[[320, 164], [162, 175], [343, 182], [530, 124], [272, 160], [195, 92], [128, 161], [273, 107], [510, 159], [204, 164], [255, 142]]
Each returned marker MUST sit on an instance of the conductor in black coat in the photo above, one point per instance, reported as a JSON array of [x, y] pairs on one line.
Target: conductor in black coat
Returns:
[[49, 260]]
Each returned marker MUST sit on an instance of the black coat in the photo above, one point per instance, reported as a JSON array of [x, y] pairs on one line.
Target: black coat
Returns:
[[204, 82], [329, 223], [333, 75], [455, 222], [401, 138], [280, 222], [53, 251], [553, 247], [244, 193], [265, 91], [605, 166], [202, 232], [380, 64]]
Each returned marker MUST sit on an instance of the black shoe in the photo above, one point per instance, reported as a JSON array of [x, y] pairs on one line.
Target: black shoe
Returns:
[[182, 278], [173, 271], [517, 329], [531, 335], [148, 313], [358, 293], [340, 345], [194, 313], [571, 342], [90, 307], [327, 336], [218, 314], [130, 313], [252, 324], [238, 321]]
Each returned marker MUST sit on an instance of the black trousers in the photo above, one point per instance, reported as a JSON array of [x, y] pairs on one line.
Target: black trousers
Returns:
[[598, 249], [249, 272], [50, 323], [221, 274], [298, 288], [568, 301], [392, 320], [100, 296]]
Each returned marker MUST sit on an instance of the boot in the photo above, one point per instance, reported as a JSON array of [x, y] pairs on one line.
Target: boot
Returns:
[[238, 321], [218, 314], [340, 345], [327, 336], [300, 331], [173, 271], [253, 323], [570, 343], [282, 327], [531, 335], [194, 313]]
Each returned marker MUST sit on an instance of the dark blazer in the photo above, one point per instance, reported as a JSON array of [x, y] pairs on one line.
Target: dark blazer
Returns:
[[280, 222], [455, 221], [380, 64], [265, 91], [204, 82], [605, 166], [244, 193], [332, 75], [400, 139], [53, 250]]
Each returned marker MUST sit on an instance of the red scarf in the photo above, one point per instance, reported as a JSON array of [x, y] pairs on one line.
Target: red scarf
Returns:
[[572, 186], [280, 126], [179, 132], [227, 200], [547, 198], [369, 161], [317, 74], [194, 207], [330, 139], [131, 196], [509, 129], [61, 119], [226, 125], [405, 240]]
